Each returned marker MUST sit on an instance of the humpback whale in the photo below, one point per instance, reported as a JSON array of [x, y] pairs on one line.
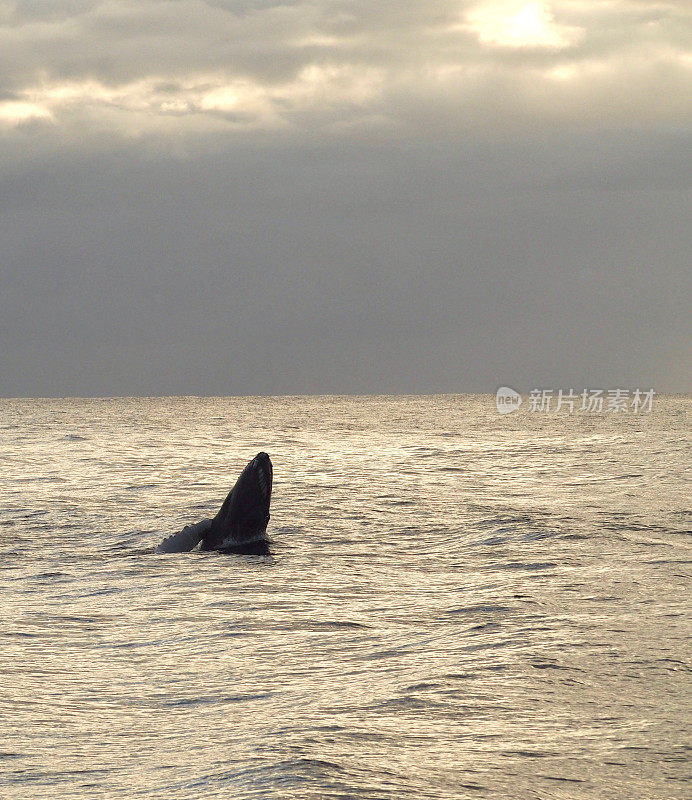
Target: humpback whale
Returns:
[[240, 526]]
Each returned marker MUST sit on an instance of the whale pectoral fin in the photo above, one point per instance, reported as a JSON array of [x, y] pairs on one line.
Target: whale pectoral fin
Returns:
[[186, 540]]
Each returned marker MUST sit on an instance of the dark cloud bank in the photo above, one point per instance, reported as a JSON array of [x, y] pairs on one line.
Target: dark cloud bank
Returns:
[[254, 198]]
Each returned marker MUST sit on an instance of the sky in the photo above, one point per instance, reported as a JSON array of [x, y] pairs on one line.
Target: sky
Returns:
[[344, 196]]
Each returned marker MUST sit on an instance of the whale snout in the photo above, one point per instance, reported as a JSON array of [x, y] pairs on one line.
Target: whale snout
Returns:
[[262, 466]]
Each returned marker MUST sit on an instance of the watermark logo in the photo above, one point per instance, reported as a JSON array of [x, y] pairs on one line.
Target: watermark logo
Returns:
[[588, 401], [507, 400]]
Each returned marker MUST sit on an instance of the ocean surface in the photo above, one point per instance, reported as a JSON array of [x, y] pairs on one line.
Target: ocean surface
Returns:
[[459, 604]]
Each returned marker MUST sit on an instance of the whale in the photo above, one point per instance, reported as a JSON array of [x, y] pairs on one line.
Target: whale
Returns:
[[240, 526]]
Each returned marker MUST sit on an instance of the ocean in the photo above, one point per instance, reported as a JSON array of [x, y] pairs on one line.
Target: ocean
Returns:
[[459, 603]]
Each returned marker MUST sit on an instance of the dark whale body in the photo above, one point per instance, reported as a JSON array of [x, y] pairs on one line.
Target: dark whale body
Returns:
[[241, 523]]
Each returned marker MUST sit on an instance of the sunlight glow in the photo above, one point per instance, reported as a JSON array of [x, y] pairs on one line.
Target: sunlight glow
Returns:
[[16, 112], [517, 23]]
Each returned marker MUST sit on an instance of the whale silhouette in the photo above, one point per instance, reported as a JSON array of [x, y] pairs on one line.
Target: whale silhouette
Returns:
[[240, 525]]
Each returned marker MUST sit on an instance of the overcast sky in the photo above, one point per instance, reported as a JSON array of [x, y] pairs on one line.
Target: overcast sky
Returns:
[[344, 196]]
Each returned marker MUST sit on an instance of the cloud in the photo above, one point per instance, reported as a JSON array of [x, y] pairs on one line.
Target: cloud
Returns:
[[345, 195], [518, 23], [133, 67]]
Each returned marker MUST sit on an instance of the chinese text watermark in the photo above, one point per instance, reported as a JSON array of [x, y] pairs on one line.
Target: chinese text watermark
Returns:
[[589, 401]]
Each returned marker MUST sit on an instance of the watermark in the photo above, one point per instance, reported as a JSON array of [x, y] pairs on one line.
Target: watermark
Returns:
[[588, 401], [507, 400]]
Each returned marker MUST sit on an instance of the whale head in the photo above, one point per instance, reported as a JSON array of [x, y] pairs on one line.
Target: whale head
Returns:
[[241, 524]]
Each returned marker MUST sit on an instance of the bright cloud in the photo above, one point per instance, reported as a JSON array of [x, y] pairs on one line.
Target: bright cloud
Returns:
[[517, 23], [244, 102], [194, 65], [14, 113]]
